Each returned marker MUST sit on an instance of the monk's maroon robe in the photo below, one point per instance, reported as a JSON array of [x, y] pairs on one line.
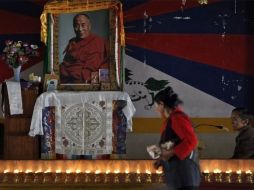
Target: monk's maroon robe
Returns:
[[83, 57]]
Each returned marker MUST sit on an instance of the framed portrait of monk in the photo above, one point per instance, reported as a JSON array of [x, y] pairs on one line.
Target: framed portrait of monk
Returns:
[[85, 41]]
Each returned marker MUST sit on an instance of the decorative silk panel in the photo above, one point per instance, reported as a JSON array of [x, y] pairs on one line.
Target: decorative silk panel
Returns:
[[86, 129]]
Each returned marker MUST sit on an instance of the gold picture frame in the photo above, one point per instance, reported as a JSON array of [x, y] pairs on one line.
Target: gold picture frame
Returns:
[[54, 33]]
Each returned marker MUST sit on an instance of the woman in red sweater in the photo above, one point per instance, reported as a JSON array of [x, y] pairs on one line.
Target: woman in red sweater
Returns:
[[179, 162]]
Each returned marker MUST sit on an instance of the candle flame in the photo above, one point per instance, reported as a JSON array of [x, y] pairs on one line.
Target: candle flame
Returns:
[[47, 171], [216, 171], [78, 171], [206, 171], [127, 168], [16, 171]]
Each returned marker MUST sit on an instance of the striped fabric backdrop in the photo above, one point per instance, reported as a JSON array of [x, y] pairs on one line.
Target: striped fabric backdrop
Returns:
[[203, 50]]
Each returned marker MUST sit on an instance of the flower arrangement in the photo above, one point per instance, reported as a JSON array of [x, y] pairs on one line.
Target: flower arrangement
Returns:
[[18, 53]]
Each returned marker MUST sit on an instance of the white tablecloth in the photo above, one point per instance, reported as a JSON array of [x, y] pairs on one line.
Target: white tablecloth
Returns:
[[84, 118]]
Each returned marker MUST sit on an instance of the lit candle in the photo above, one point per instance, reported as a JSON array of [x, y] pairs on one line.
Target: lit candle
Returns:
[[216, 171], [206, 171], [87, 171], [249, 176], [228, 171], [228, 176], [116, 177], [68, 176], [58, 171], [97, 176], [127, 176], [28, 176], [159, 176], [16, 171], [78, 171], [68, 171], [87, 178], [107, 171], [58, 176], [207, 175], [148, 172], [47, 176], [16, 178], [148, 176], [6, 171], [116, 171], [158, 172], [239, 176], [38, 176], [78, 176], [138, 176], [106, 176], [5, 176]]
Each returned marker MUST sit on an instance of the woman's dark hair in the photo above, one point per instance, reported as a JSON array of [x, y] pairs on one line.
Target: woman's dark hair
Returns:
[[243, 113], [168, 97]]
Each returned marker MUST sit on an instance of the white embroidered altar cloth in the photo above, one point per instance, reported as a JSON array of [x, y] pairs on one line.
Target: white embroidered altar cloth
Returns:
[[83, 120]]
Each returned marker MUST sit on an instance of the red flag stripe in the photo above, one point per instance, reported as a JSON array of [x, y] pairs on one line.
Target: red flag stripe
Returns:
[[157, 7], [231, 52]]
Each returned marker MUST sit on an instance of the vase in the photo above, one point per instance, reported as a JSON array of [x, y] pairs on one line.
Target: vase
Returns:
[[16, 72]]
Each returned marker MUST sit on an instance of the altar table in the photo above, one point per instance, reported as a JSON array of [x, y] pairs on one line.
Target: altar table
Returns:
[[82, 123]]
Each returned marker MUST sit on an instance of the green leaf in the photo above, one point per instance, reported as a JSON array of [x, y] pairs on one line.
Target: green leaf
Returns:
[[155, 85]]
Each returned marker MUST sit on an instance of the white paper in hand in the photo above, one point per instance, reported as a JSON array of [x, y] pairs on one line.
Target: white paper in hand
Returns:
[[154, 151]]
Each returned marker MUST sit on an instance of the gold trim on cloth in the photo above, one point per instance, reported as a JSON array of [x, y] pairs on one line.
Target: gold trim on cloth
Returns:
[[72, 6]]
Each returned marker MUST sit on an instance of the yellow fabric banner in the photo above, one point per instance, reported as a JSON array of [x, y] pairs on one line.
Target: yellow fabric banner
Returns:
[[72, 6]]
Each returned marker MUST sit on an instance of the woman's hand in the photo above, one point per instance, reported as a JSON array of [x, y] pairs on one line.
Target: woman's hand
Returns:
[[157, 163], [166, 154]]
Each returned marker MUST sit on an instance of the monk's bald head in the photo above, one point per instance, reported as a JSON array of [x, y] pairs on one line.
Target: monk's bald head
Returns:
[[82, 25]]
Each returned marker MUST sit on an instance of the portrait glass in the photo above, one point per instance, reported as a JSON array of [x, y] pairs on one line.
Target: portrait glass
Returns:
[[84, 50]]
